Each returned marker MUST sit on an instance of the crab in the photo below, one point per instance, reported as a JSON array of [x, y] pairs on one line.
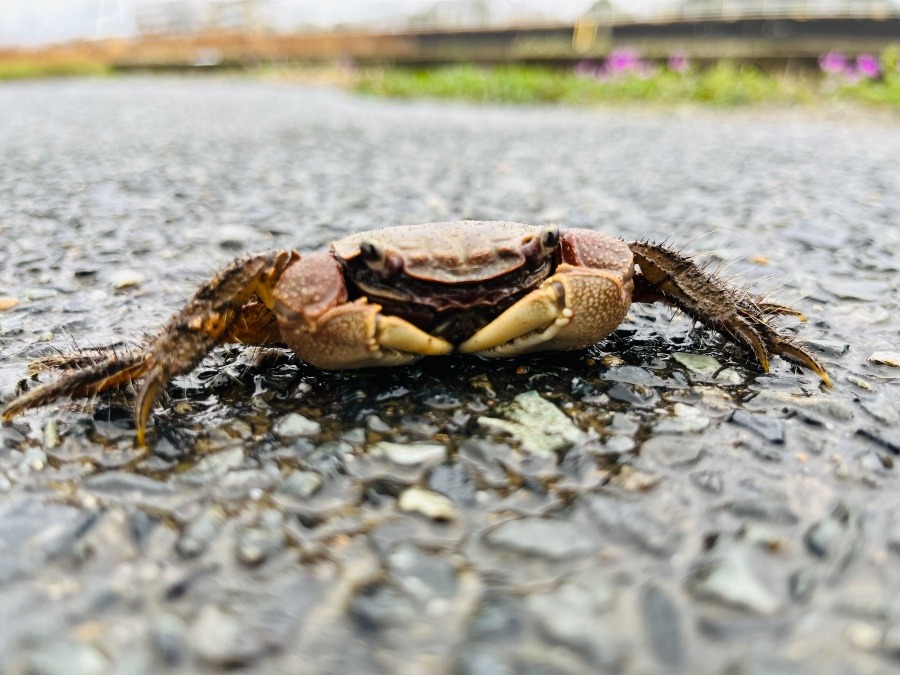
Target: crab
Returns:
[[392, 296]]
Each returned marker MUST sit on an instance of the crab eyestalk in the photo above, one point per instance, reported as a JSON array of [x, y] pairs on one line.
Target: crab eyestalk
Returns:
[[541, 245], [381, 260]]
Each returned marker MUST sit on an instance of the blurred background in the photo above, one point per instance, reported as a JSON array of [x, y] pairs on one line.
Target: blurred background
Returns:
[[571, 50], [654, 504]]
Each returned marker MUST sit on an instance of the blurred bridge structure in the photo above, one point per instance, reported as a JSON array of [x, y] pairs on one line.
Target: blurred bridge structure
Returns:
[[455, 31], [767, 32]]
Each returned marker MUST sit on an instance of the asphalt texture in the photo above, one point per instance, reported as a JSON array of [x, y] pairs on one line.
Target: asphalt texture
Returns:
[[654, 504]]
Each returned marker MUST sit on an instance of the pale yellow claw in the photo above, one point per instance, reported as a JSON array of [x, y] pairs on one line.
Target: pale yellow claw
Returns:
[[538, 310], [402, 336]]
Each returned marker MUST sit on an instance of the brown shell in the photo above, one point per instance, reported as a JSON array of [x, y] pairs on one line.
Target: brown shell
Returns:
[[454, 252]]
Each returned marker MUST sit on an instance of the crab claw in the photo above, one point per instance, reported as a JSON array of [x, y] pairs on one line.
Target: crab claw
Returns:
[[574, 308], [399, 335]]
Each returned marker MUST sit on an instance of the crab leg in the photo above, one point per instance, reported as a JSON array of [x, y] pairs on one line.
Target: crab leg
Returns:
[[208, 319], [80, 381], [676, 280]]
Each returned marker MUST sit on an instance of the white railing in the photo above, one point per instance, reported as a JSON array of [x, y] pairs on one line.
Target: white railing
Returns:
[[774, 9], [682, 10]]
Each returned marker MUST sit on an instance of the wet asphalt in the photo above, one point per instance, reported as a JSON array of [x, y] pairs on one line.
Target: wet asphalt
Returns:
[[654, 504]]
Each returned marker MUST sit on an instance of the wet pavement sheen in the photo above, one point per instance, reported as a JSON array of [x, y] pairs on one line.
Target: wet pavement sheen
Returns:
[[652, 504]]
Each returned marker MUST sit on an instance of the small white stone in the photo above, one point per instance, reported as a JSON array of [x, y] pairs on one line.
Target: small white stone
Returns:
[[127, 279], [684, 410], [295, 424], [730, 376], [886, 358], [863, 636], [702, 364], [428, 503], [411, 454]]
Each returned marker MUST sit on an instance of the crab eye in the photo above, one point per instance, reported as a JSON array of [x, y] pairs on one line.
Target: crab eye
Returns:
[[372, 254], [550, 238], [379, 259]]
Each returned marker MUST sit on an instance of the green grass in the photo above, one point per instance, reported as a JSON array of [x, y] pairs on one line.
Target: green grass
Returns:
[[723, 84], [884, 92], [27, 70]]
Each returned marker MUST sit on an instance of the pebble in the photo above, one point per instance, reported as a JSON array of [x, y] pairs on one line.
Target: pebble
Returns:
[[802, 584], [828, 347], [725, 575], [893, 531], [198, 535], [631, 523], [769, 428], [127, 278], [687, 420], [886, 358], [380, 605], [860, 382], [428, 503], [883, 410], [615, 446], [51, 435], [236, 237], [891, 641], [543, 538], [258, 544], [730, 376], [454, 481], [497, 618], [67, 658], [301, 484], [540, 426], [212, 467], [170, 639], [294, 425], [671, 451], [821, 537], [569, 621], [423, 576], [633, 375], [637, 395], [484, 660], [41, 294], [709, 481], [7, 303], [218, 638], [863, 636], [127, 485], [663, 624], [411, 454], [702, 364]]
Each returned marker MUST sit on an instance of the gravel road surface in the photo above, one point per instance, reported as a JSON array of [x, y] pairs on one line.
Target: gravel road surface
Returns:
[[652, 505]]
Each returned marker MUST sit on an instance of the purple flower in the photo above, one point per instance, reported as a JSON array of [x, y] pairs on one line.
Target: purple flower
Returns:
[[621, 61], [678, 62], [867, 66], [833, 63]]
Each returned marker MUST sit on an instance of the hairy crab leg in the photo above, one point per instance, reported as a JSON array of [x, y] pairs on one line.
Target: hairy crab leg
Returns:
[[112, 372], [673, 278], [209, 318]]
